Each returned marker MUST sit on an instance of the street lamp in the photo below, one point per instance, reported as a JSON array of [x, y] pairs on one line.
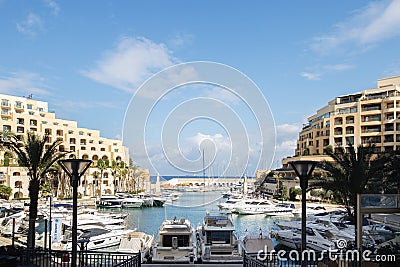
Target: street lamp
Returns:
[[303, 169], [75, 168]]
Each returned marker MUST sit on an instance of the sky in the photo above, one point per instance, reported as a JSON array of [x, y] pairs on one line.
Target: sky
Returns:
[[91, 60]]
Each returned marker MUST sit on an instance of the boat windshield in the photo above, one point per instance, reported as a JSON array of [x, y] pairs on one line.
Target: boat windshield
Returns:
[[183, 240], [218, 237]]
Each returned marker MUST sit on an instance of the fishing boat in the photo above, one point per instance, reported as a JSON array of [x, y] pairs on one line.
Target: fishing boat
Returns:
[[175, 242]]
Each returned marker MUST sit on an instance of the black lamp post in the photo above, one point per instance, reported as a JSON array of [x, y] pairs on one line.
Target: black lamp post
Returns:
[[75, 168], [303, 170]]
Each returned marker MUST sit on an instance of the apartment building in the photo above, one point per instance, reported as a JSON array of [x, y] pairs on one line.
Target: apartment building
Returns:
[[23, 114], [369, 116]]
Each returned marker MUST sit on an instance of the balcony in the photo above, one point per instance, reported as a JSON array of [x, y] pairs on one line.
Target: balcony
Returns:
[[370, 108], [5, 104]]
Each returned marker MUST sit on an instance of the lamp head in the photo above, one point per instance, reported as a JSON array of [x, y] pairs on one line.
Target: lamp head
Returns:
[[75, 168], [303, 169]]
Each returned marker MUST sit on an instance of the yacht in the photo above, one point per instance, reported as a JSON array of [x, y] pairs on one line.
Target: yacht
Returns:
[[255, 206], [175, 242], [137, 242], [109, 201], [282, 209], [317, 240], [313, 210], [96, 238], [132, 202], [219, 243], [229, 205]]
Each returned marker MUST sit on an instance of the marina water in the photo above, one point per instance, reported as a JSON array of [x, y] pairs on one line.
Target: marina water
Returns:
[[193, 206]]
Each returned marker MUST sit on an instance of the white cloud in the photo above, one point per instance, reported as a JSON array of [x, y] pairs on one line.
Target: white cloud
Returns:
[[180, 39], [287, 135], [22, 83], [339, 67], [130, 63], [378, 21], [53, 5], [30, 25], [310, 76], [223, 95]]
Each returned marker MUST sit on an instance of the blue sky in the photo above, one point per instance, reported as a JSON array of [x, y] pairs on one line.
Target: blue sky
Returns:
[[87, 58]]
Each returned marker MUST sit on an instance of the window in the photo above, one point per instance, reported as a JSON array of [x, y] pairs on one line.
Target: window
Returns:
[[70, 132], [115, 150], [42, 115], [31, 113], [20, 121], [18, 104], [4, 102], [6, 128], [29, 106], [41, 109], [102, 149], [80, 133]]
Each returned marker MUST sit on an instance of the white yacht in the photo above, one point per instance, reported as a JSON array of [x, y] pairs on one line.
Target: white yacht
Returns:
[[255, 206], [109, 201], [318, 240], [282, 209], [312, 210], [176, 242], [132, 202], [97, 238], [219, 243], [137, 242], [229, 205]]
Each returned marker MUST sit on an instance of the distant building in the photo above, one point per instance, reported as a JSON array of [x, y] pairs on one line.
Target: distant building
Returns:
[[369, 116], [23, 114]]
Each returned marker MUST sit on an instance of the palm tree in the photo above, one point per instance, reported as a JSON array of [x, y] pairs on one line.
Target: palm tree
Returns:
[[38, 158], [114, 172], [352, 172], [101, 165]]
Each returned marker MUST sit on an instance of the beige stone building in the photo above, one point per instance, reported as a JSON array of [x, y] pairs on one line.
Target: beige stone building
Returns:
[[369, 116], [23, 114]]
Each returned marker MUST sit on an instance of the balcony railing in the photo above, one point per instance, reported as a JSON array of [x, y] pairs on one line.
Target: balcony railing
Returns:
[[40, 257]]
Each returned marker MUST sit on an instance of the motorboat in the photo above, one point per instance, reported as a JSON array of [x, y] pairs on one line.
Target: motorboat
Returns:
[[218, 242], [137, 242], [282, 209], [313, 210], [318, 240], [176, 242], [95, 238], [229, 205], [109, 201], [132, 202], [252, 244], [147, 199], [255, 206]]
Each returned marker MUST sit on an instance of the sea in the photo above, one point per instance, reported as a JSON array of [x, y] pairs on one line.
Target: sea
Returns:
[[194, 206]]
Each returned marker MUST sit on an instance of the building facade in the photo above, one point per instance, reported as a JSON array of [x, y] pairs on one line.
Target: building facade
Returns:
[[23, 114], [369, 116]]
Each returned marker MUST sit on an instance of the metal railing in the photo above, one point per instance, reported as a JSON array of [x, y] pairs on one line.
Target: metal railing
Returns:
[[47, 258]]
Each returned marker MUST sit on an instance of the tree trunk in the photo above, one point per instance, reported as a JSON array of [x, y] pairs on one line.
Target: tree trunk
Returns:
[[34, 187]]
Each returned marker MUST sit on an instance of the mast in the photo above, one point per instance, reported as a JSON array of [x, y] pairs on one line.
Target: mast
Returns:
[[204, 172]]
